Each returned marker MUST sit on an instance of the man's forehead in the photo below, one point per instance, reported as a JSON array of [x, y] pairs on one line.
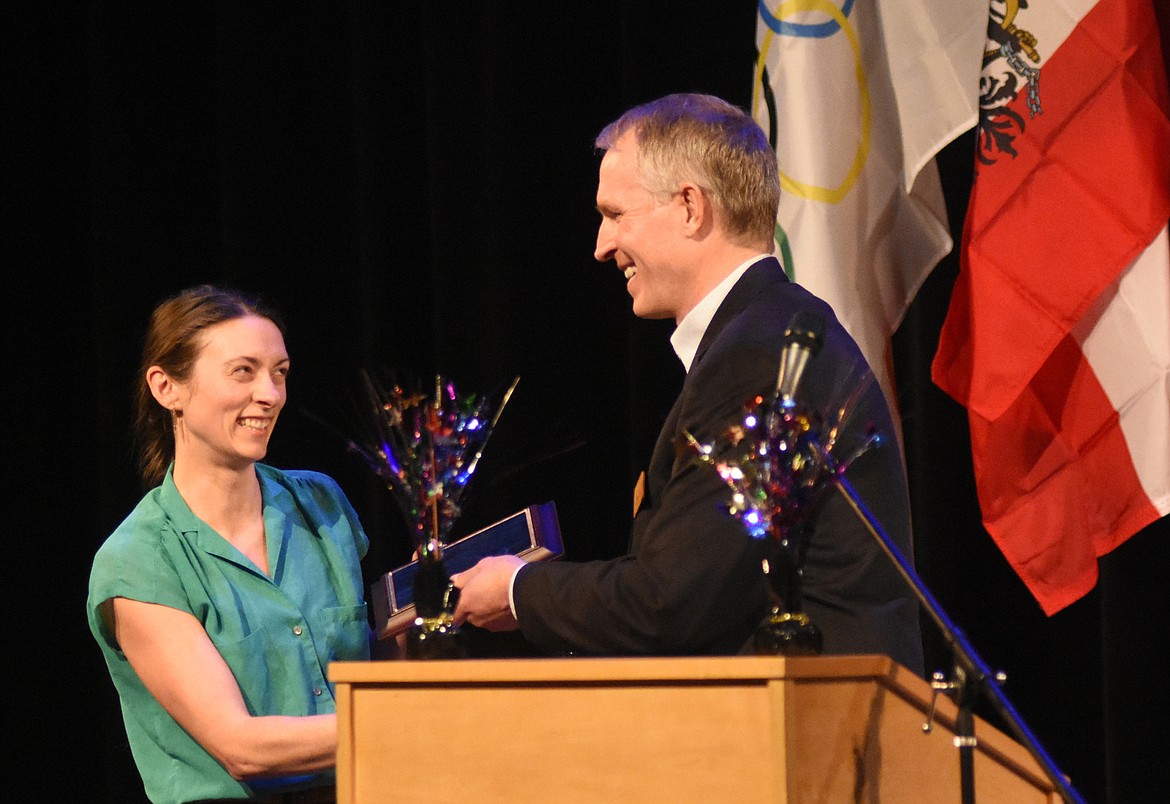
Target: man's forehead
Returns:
[[623, 148], [619, 166]]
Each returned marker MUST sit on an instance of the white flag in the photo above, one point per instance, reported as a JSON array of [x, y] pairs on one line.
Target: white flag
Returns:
[[857, 97]]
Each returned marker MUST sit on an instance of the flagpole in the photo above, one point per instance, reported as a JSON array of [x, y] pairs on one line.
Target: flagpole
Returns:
[[971, 677]]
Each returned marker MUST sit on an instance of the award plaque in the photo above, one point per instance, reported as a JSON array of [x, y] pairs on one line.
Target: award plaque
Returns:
[[533, 534]]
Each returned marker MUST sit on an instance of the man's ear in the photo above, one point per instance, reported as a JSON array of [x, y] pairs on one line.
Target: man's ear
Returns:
[[165, 390], [697, 207]]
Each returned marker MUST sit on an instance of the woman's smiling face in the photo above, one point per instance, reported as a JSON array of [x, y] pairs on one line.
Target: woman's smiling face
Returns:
[[235, 393]]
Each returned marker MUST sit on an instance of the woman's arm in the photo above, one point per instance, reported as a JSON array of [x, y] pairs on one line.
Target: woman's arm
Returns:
[[178, 663]]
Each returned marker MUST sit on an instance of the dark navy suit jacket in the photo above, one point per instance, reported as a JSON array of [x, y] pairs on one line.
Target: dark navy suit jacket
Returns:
[[692, 581]]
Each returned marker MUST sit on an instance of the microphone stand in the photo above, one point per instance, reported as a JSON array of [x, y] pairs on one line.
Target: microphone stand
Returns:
[[971, 678]]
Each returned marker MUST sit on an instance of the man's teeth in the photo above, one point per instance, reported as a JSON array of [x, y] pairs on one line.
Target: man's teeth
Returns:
[[629, 272]]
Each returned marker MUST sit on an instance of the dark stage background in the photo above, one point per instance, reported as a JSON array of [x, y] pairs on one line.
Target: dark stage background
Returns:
[[412, 184]]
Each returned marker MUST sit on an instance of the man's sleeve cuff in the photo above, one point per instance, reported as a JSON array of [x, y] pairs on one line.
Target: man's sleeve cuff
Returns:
[[511, 591]]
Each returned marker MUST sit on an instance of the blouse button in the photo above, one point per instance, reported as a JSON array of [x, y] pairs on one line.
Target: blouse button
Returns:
[[317, 691], [298, 630]]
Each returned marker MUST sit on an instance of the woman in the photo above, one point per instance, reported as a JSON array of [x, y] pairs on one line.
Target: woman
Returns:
[[221, 600]]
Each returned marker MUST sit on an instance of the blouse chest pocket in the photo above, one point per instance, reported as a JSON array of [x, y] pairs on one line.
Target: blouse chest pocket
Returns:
[[345, 630]]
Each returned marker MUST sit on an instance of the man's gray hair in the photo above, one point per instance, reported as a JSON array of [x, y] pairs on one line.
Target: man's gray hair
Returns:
[[708, 141]]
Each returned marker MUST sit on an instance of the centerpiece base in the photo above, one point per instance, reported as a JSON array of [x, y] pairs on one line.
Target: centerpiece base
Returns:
[[435, 638], [785, 633]]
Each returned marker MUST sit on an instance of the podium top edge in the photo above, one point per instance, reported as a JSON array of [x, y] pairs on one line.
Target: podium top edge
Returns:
[[640, 669]]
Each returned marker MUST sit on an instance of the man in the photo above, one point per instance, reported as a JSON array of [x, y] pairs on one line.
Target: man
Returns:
[[688, 191]]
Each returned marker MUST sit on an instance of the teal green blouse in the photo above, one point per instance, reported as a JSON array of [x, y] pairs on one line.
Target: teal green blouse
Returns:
[[278, 634]]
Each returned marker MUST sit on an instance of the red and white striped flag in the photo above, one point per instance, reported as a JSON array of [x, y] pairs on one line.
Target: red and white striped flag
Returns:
[[1058, 336]]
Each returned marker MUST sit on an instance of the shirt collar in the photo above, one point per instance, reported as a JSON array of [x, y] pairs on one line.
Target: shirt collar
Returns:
[[689, 332], [185, 521], [176, 507]]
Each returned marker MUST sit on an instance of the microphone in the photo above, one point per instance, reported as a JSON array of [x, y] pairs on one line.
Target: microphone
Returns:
[[802, 341]]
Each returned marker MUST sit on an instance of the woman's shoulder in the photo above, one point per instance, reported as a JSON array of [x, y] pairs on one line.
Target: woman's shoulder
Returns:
[[307, 487], [141, 528], [318, 496], [128, 563], [299, 480]]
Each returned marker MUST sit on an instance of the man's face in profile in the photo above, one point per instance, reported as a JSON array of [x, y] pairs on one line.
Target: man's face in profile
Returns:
[[640, 232]]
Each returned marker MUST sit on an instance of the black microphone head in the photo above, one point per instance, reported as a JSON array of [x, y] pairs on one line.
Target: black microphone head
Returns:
[[806, 329]]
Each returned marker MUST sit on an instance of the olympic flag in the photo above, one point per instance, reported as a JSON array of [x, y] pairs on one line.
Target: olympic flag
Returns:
[[857, 100], [1058, 336]]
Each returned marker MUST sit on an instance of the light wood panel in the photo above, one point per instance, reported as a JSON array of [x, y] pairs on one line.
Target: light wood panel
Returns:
[[744, 729]]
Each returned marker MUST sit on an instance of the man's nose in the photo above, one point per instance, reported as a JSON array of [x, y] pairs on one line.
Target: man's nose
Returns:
[[605, 248]]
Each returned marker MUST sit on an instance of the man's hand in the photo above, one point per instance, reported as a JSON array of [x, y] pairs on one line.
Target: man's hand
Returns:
[[483, 593]]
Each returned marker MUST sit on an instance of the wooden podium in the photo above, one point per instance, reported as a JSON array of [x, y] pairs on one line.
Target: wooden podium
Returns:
[[735, 729]]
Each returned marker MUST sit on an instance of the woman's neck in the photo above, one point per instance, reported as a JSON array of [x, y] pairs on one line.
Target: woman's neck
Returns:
[[229, 500]]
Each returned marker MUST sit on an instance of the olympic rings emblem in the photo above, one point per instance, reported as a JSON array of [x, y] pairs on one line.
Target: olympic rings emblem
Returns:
[[819, 31], [777, 24]]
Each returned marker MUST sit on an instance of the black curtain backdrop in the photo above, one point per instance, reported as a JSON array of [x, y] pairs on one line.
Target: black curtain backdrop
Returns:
[[412, 184]]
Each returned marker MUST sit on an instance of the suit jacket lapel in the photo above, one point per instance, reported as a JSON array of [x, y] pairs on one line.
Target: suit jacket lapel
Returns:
[[756, 278], [761, 275]]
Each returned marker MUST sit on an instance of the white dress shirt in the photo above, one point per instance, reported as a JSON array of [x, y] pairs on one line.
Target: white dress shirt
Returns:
[[689, 332]]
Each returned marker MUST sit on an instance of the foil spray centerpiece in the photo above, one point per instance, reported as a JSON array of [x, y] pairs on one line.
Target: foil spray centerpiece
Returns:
[[777, 462], [426, 448]]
